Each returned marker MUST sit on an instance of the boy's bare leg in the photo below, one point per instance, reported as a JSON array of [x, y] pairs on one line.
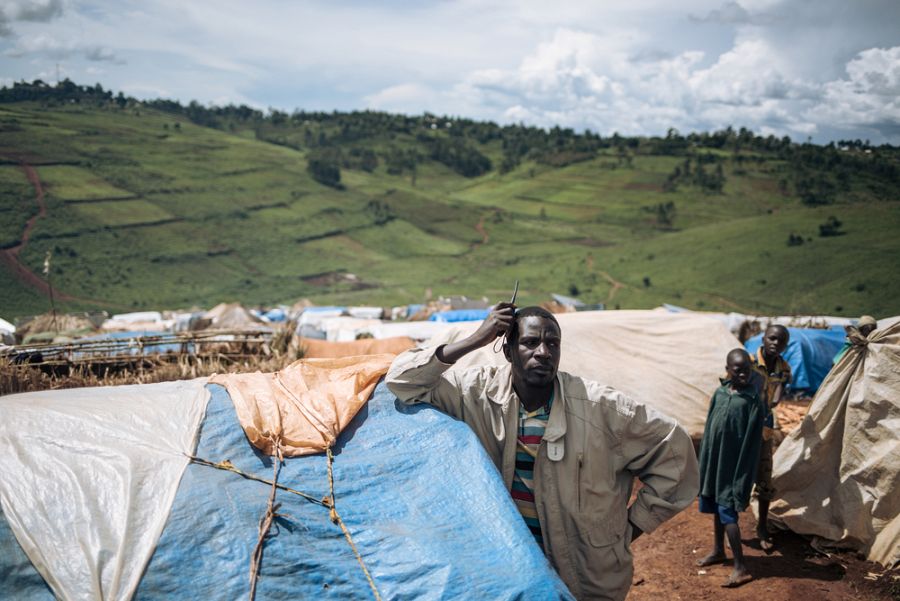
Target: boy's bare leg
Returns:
[[739, 575], [762, 526], [718, 553]]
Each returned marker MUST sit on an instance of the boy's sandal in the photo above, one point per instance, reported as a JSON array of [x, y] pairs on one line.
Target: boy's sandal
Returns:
[[736, 582], [711, 560]]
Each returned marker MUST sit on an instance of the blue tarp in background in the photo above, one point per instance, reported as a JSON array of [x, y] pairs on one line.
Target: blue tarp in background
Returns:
[[276, 315], [809, 353], [460, 315], [427, 510]]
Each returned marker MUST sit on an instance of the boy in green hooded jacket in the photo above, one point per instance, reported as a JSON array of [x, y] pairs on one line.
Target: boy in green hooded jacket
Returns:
[[729, 456]]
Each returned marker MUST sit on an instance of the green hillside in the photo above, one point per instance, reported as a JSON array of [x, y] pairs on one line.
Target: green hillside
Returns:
[[157, 205]]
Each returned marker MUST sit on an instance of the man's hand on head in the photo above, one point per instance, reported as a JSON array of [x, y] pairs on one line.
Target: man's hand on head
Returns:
[[496, 324]]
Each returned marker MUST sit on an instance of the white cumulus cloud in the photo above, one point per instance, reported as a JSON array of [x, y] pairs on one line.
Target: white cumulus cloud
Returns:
[[870, 94]]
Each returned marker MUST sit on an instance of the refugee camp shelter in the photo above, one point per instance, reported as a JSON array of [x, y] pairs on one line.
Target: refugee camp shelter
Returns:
[[838, 473], [312, 347], [101, 498], [49, 326], [7, 332], [669, 361], [233, 316]]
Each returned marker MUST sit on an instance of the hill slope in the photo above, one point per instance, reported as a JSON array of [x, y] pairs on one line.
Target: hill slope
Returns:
[[145, 208]]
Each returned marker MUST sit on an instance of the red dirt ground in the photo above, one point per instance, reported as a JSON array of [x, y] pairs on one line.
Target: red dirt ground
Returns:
[[665, 566]]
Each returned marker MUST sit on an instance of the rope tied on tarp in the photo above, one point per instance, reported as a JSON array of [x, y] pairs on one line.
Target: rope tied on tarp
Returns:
[[229, 467], [855, 337], [265, 523], [272, 509], [336, 519], [301, 410]]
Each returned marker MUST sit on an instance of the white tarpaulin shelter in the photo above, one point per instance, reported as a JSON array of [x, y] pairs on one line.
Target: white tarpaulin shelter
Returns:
[[7, 332], [838, 474], [669, 361], [344, 328], [6, 327], [70, 456], [417, 330]]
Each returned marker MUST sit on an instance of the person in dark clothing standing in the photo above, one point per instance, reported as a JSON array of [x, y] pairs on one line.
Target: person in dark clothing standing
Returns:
[[729, 457]]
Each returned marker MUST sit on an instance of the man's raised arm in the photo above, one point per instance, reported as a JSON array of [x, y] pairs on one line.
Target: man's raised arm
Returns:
[[418, 375]]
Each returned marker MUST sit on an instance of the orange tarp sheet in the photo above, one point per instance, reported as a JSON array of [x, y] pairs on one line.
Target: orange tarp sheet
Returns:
[[306, 405], [367, 346]]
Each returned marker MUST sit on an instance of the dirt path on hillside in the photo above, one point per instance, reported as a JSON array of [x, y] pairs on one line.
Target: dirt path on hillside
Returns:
[[616, 284], [35, 181], [479, 227], [731, 304], [10, 256]]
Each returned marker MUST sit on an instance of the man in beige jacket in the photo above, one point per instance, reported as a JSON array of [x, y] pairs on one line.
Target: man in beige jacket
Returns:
[[595, 442]]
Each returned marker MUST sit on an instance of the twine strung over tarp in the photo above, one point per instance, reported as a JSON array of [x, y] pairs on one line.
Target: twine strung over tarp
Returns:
[[336, 519], [272, 508], [265, 523]]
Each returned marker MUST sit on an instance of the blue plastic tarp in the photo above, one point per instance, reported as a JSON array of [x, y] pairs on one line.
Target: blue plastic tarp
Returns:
[[425, 506], [460, 315], [809, 353], [276, 315]]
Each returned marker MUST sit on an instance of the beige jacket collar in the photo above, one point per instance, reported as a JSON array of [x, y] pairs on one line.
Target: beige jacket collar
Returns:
[[501, 392]]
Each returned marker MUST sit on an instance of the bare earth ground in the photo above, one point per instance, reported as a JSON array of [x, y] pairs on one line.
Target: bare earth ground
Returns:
[[665, 568]]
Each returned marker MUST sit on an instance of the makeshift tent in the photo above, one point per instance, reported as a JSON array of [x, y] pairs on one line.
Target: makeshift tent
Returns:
[[233, 316], [7, 332], [838, 473], [670, 361], [48, 326], [87, 477], [138, 317], [366, 312], [345, 328], [313, 315], [809, 353], [417, 330], [313, 348], [92, 488]]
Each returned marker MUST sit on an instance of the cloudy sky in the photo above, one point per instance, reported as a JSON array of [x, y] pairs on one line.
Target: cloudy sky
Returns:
[[825, 69]]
